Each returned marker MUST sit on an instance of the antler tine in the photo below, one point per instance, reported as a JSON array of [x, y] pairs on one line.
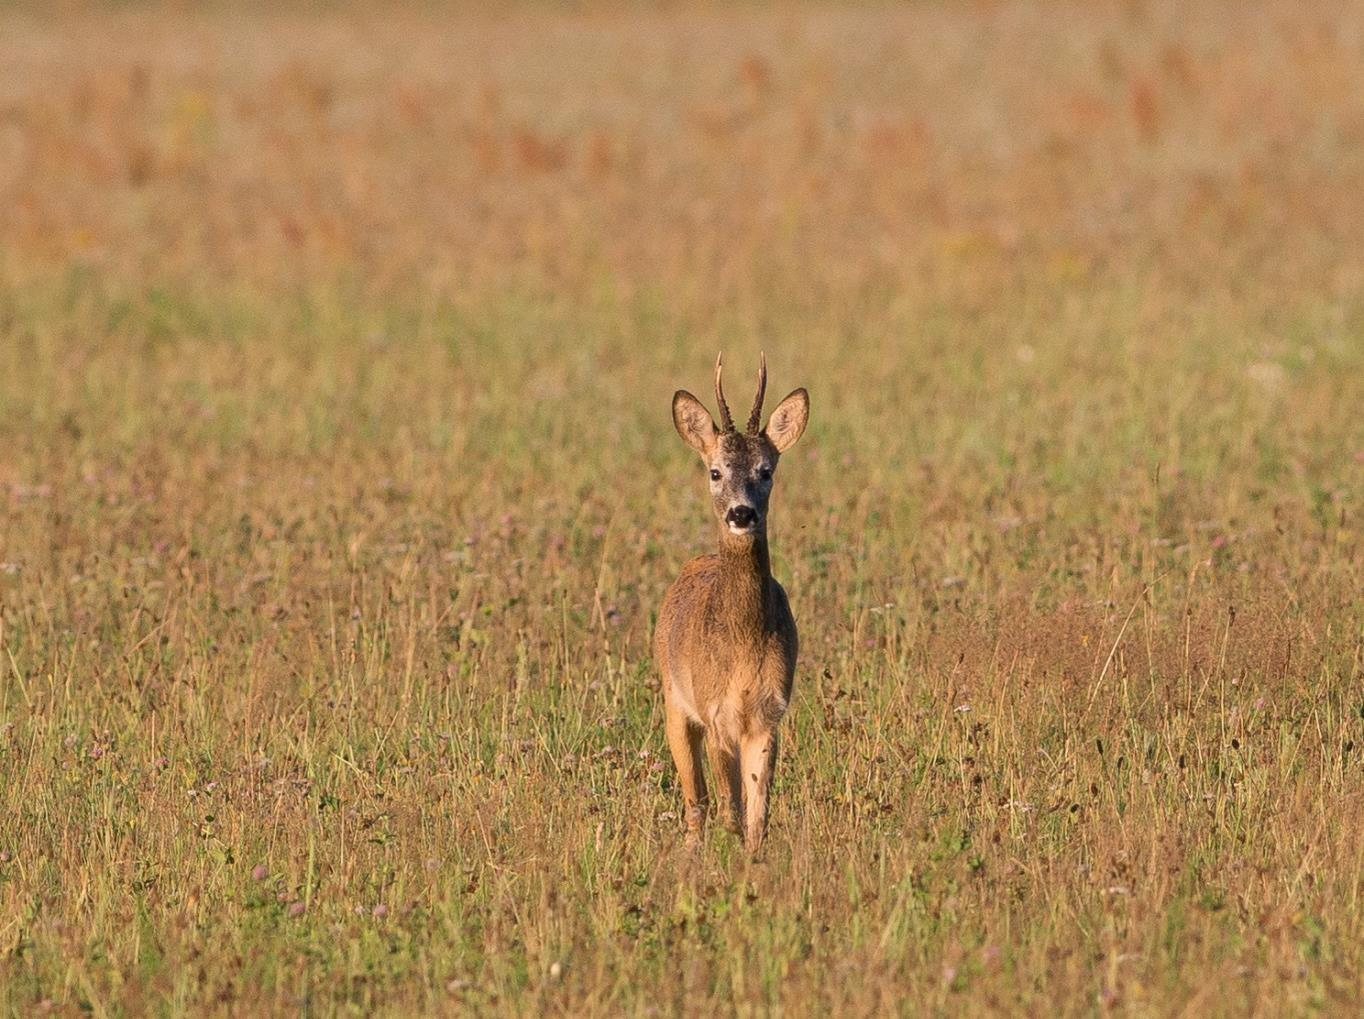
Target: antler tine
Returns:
[[755, 417], [726, 422]]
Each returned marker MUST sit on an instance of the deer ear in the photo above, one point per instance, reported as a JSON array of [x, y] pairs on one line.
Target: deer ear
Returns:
[[787, 422], [693, 422]]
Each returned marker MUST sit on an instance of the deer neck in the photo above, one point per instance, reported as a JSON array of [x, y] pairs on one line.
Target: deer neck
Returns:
[[747, 568]]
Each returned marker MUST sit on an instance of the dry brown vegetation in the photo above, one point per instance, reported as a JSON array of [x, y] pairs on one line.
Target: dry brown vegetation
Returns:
[[338, 486]]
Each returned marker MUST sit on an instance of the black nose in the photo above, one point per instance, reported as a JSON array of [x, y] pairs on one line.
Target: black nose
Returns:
[[741, 516]]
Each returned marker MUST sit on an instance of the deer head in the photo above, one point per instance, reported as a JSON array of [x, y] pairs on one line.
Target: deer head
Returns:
[[741, 465]]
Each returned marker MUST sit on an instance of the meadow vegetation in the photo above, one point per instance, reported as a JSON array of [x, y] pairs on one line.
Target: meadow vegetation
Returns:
[[338, 491]]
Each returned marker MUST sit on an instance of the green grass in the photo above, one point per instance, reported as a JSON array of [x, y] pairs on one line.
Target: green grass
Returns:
[[1077, 704]]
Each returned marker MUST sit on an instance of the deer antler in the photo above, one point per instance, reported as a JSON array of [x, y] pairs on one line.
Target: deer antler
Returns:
[[755, 417], [726, 422]]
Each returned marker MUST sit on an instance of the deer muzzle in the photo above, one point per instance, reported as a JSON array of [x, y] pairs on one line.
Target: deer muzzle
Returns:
[[741, 519]]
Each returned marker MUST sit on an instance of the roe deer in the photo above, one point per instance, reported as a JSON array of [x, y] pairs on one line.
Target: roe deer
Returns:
[[725, 640]]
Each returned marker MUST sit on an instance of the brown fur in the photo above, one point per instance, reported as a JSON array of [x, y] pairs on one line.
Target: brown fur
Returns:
[[726, 641]]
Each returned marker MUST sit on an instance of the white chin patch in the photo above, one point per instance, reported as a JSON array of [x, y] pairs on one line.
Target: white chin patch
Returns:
[[739, 530]]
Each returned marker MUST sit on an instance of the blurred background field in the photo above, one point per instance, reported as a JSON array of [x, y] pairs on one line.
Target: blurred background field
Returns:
[[338, 489]]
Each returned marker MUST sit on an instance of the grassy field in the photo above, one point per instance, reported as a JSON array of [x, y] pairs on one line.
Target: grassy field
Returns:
[[338, 491]]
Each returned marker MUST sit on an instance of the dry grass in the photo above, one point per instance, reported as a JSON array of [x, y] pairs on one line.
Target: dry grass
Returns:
[[339, 490]]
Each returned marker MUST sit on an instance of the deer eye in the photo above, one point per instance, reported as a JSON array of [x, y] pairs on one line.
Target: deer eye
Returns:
[[714, 474], [765, 473]]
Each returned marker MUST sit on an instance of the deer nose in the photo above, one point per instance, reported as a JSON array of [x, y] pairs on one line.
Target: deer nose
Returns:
[[741, 516]]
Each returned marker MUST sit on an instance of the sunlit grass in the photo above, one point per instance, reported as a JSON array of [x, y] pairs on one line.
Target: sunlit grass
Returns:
[[339, 491]]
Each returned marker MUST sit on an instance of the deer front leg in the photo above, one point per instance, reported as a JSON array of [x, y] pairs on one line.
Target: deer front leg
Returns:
[[724, 765], [758, 760], [684, 740]]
